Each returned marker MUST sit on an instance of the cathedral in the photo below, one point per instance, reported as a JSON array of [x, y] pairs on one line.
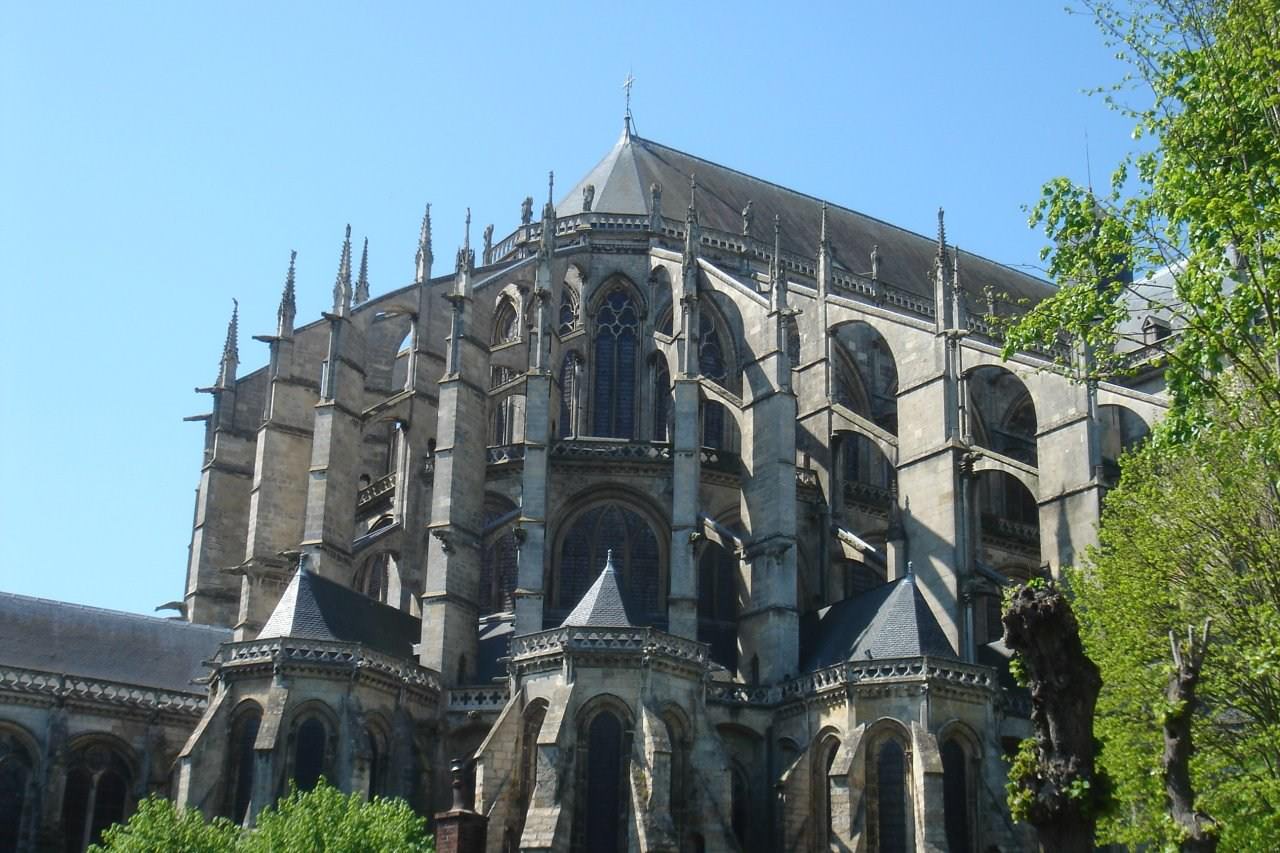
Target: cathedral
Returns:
[[675, 519]]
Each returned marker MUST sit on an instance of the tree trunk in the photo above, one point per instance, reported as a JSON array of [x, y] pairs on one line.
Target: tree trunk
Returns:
[[1199, 833], [1064, 684]]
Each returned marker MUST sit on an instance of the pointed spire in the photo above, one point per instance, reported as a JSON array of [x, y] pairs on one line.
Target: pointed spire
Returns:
[[230, 349], [548, 238], [824, 254], [942, 236], [602, 606], [342, 284], [362, 280], [549, 209], [823, 239], [288, 302], [425, 257], [466, 256], [692, 232]]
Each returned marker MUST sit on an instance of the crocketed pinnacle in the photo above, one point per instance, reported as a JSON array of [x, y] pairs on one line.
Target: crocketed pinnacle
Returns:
[[230, 348], [362, 280], [342, 285], [288, 301], [425, 256]]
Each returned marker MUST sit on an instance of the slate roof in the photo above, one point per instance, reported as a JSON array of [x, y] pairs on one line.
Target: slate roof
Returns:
[[602, 605], [623, 177], [55, 636], [315, 608], [891, 621]]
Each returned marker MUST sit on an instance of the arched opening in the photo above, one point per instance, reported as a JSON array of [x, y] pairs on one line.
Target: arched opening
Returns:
[[1120, 431], [614, 364], [243, 761], [373, 578], [867, 476], [718, 604], [309, 747], [506, 424], [96, 794], [589, 537], [570, 394], [890, 808], [569, 317], [680, 788], [377, 762], [1010, 519], [602, 794], [662, 402], [506, 322], [955, 796], [1002, 415], [527, 772], [499, 557], [17, 767], [866, 375], [662, 301], [823, 790]]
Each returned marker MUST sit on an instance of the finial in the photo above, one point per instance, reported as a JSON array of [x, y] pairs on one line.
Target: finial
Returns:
[[777, 248], [942, 232], [911, 568], [551, 187], [822, 229], [288, 302], [608, 560], [230, 349], [466, 234], [626, 116], [362, 280], [342, 284]]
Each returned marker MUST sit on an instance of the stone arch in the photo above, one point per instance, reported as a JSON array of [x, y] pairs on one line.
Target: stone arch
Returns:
[[526, 771], [499, 567], [663, 302], [680, 737], [868, 356], [1009, 516], [100, 788], [569, 308], [1002, 413], [961, 754], [505, 328], [823, 799], [20, 772], [1120, 429], [376, 740], [243, 725], [603, 763], [889, 803], [593, 523], [311, 745], [378, 577]]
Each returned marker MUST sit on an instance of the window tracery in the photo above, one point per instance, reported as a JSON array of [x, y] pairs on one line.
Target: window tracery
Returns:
[[506, 323], [613, 526], [616, 345]]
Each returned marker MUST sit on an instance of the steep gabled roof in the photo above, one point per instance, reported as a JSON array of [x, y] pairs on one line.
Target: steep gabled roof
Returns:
[[891, 621], [55, 636], [602, 605], [314, 608], [623, 178]]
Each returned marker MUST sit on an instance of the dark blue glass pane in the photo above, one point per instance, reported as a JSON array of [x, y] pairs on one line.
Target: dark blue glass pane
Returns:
[[624, 425]]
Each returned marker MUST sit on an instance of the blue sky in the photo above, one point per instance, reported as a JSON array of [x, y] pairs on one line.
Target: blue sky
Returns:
[[157, 160]]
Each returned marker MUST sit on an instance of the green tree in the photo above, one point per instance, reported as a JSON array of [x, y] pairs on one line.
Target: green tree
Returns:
[[1191, 534], [159, 825], [323, 819], [1200, 203]]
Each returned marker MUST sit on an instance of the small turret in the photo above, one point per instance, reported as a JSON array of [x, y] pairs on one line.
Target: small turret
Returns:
[[342, 284], [362, 280], [288, 302], [424, 258]]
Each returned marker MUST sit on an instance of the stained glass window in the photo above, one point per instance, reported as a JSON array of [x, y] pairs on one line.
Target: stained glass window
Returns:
[[616, 345], [711, 364], [568, 311], [718, 604], [955, 797], [612, 526], [891, 797]]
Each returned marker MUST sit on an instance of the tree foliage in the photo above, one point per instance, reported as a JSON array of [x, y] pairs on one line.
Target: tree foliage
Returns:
[[1199, 202], [1192, 533], [323, 819]]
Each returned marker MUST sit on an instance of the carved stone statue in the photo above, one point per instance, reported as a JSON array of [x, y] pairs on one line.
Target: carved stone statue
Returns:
[[488, 243], [588, 196], [526, 210], [747, 215], [655, 198]]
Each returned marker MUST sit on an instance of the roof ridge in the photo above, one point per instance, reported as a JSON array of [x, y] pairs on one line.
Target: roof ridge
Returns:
[[818, 201], [146, 617]]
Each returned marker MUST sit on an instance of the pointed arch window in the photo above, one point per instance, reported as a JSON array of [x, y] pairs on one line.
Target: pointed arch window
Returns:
[[955, 796], [890, 808], [615, 347], [718, 604], [244, 733], [96, 795], [603, 769], [570, 394], [713, 365], [498, 561], [373, 579], [506, 323], [612, 526], [310, 743], [661, 399], [16, 790], [568, 320]]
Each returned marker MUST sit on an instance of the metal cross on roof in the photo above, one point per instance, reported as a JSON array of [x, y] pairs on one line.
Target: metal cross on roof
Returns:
[[626, 85]]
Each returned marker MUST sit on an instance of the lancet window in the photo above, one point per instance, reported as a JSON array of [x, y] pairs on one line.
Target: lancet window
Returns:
[[244, 732], [506, 323], [96, 795], [570, 394], [616, 344]]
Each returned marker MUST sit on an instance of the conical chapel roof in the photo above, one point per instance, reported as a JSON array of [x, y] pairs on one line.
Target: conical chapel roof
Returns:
[[622, 182], [602, 605]]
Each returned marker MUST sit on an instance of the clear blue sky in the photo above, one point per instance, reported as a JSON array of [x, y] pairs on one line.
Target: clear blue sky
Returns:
[[157, 160]]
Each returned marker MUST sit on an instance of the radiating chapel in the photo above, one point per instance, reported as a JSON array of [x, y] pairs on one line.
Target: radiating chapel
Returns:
[[680, 514]]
